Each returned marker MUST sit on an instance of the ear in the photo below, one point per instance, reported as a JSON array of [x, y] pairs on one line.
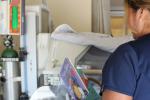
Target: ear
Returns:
[[139, 13], [139, 20]]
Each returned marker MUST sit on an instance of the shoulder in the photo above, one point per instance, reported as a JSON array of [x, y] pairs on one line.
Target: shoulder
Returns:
[[119, 72], [139, 44], [125, 49], [123, 56]]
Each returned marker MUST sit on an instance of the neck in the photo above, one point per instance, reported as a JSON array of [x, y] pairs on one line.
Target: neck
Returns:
[[135, 36], [144, 31]]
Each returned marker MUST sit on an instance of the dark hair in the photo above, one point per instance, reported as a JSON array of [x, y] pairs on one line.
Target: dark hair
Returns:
[[136, 4]]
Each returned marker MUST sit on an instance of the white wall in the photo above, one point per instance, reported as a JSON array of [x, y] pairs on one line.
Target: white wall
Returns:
[[76, 13]]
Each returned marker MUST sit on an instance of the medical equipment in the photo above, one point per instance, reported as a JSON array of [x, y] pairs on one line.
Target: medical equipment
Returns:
[[52, 52], [30, 69], [92, 57], [44, 18], [48, 78], [10, 61], [65, 39], [27, 55], [12, 23], [103, 41]]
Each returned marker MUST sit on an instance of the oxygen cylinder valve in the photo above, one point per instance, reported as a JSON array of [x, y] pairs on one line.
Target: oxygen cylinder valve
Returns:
[[8, 41]]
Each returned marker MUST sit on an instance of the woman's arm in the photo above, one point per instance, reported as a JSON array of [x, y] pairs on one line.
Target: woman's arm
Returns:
[[112, 95]]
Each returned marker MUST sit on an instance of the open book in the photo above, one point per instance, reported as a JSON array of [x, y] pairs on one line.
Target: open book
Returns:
[[72, 81]]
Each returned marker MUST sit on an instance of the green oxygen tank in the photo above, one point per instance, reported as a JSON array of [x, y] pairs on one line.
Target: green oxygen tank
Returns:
[[11, 69], [9, 53]]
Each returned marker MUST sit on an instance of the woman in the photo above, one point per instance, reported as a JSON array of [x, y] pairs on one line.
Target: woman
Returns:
[[126, 74]]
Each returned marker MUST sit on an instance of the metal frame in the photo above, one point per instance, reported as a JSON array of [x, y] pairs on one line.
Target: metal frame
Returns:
[[29, 71]]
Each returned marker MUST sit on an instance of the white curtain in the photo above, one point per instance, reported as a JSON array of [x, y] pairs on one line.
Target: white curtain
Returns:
[[101, 16]]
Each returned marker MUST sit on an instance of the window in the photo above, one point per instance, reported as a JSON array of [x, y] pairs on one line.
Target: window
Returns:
[[118, 25]]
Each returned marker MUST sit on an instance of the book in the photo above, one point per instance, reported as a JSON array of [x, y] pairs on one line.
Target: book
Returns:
[[72, 81]]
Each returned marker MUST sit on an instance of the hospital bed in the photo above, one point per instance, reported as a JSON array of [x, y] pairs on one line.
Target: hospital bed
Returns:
[[86, 48], [53, 48]]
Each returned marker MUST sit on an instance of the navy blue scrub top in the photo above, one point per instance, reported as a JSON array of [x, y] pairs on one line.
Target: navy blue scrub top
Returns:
[[127, 70]]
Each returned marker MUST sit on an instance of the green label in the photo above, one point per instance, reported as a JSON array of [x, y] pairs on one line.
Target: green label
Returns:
[[14, 17]]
